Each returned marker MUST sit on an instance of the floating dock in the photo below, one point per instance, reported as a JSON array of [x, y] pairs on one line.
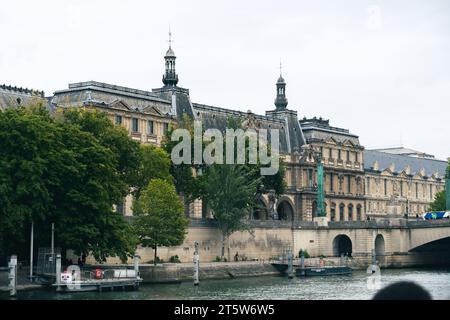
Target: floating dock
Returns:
[[313, 270]]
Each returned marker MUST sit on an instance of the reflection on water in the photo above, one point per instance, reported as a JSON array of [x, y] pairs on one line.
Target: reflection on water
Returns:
[[354, 286]]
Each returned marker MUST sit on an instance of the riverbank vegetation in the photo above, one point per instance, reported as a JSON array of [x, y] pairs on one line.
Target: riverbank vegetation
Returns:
[[71, 168]]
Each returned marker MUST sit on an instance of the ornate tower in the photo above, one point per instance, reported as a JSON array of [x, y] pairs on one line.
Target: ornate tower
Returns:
[[170, 78], [281, 101]]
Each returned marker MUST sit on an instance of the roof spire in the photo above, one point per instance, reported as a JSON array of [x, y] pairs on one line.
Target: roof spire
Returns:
[[281, 68], [170, 38]]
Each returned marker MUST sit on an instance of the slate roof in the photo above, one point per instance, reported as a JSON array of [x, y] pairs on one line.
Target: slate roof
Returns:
[[12, 97], [318, 129], [107, 94], [400, 162], [289, 130]]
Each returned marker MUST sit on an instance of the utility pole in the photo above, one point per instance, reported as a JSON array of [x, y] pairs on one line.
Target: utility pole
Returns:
[[447, 187], [196, 265], [31, 251]]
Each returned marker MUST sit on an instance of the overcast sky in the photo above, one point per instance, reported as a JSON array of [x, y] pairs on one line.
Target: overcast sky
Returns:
[[378, 68]]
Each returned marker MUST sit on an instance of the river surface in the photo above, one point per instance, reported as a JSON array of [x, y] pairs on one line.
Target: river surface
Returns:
[[355, 286]]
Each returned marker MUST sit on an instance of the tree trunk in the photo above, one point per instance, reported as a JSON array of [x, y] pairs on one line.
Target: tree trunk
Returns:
[[154, 259], [222, 256]]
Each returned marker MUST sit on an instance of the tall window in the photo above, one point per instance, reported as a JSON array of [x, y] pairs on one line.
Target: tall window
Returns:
[[118, 119], [356, 157], [385, 186], [431, 191], [339, 154], [321, 151], [341, 212], [350, 212], [417, 190], [150, 127], [310, 178], [348, 155], [331, 182], [368, 186], [330, 155], [401, 188], [165, 127], [349, 184], [135, 125]]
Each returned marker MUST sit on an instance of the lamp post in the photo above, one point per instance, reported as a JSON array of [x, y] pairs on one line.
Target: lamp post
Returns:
[[447, 187], [320, 214]]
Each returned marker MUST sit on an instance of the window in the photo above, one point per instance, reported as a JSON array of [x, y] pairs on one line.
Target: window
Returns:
[[348, 155], [333, 212], [330, 155], [431, 191], [350, 212], [385, 187], [310, 182], [331, 182], [349, 184], [401, 188], [135, 125], [118, 119], [341, 212], [368, 186], [417, 190], [321, 151], [356, 157], [339, 154], [150, 127], [165, 127]]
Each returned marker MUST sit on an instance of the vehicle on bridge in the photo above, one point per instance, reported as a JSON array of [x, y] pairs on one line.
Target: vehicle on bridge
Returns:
[[436, 215]]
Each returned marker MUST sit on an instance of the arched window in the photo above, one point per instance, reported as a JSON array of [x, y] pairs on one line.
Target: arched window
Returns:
[[341, 212], [333, 212], [314, 208], [358, 212], [350, 212]]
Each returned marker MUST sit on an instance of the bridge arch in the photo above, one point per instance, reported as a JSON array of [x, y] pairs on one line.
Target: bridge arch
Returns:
[[342, 244], [428, 233], [380, 248], [285, 209]]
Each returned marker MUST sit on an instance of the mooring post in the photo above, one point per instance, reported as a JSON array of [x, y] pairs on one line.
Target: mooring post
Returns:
[[302, 264], [58, 269], [136, 264], [12, 265], [374, 261], [196, 264], [290, 265]]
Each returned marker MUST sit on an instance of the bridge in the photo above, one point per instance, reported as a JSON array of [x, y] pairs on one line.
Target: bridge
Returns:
[[396, 242]]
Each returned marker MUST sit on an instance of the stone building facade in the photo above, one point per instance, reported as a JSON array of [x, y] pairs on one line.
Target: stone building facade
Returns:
[[358, 183]]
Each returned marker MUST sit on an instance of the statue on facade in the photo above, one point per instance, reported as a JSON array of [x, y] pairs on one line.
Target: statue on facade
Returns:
[[272, 211]]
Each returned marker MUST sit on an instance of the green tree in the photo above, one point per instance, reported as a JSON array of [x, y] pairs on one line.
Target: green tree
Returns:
[[231, 194], [159, 216], [55, 170], [439, 202], [154, 163]]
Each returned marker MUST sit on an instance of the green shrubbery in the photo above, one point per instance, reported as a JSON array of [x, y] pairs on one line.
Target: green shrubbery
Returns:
[[304, 253], [174, 259]]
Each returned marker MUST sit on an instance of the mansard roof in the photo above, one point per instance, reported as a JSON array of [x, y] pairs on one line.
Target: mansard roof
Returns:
[[215, 117], [12, 97], [319, 129], [107, 95], [385, 160]]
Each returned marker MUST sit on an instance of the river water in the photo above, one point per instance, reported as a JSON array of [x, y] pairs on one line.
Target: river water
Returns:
[[355, 286]]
